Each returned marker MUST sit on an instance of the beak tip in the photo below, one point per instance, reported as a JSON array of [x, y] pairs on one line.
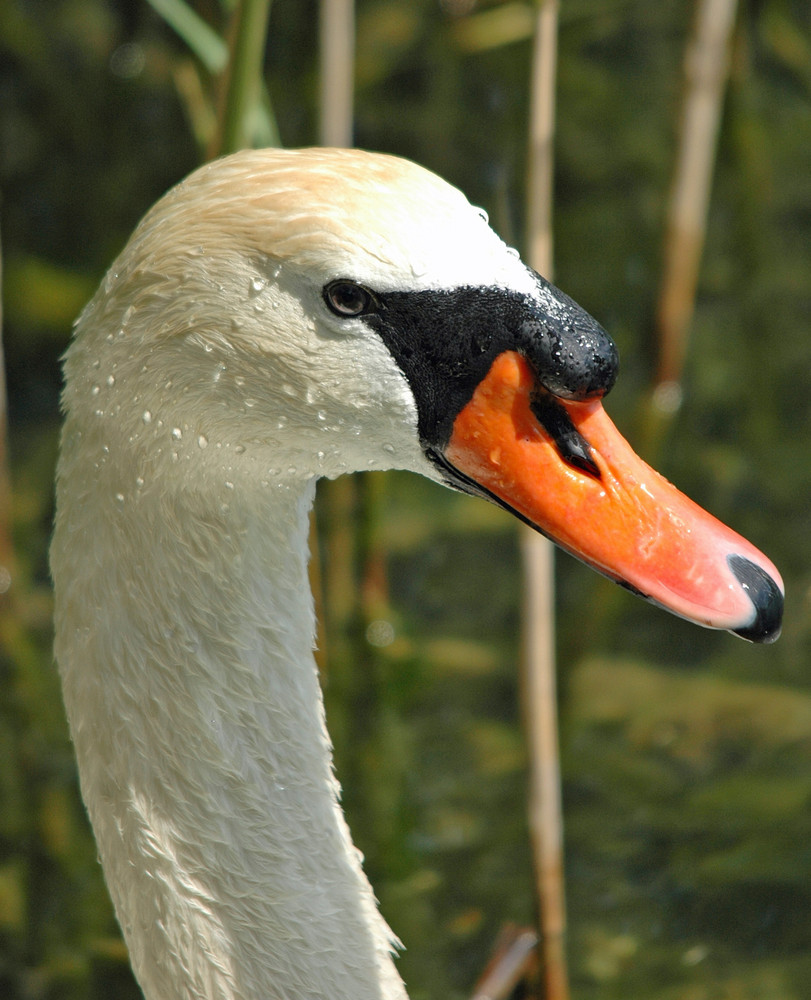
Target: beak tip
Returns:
[[766, 595]]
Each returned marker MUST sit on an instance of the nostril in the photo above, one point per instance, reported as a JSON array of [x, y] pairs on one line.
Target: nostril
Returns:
[[572, 447], [766, 597]]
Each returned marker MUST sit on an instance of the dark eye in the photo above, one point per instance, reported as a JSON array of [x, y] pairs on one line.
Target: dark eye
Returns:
[[345, 298]]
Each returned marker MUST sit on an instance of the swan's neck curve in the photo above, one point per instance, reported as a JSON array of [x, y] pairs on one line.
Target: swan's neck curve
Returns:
[[199, 728]]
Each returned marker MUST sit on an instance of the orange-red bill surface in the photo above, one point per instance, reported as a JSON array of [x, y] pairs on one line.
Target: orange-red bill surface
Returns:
[[613, 511]]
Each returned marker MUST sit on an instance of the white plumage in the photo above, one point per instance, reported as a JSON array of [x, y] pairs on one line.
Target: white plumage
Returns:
[[207, 387]]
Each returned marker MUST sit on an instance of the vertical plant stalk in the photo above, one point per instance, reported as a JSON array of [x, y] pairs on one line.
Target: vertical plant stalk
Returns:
[[243, 85], [355, 589], [6, 549], [349, 513], [545, 807], [706, 71], [337, 31], [514, 960], [337, 499]]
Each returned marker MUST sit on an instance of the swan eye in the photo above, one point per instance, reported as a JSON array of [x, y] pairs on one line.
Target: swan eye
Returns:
[[347, 299]]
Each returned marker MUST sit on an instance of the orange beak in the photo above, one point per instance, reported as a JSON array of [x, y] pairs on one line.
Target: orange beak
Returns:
[[602, 503]]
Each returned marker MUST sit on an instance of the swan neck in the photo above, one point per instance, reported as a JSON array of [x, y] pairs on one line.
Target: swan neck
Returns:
[[204, 759]]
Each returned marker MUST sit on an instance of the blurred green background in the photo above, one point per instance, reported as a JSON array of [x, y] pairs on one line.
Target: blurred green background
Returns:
[[686, 754]]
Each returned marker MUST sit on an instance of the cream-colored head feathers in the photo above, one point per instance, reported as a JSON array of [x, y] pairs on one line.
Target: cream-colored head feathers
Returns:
[[332, 212]]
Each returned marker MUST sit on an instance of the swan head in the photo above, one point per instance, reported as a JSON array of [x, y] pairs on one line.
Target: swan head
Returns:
[[289, 314], [227, 312]]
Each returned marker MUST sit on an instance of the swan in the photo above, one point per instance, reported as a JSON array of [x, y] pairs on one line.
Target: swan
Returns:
[[277, 317]]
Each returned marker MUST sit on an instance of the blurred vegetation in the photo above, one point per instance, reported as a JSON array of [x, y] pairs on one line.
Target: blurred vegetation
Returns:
[[686, 753]]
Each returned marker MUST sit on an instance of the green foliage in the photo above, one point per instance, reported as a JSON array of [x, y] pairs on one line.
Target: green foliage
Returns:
[[201, 39], [686, 753]]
